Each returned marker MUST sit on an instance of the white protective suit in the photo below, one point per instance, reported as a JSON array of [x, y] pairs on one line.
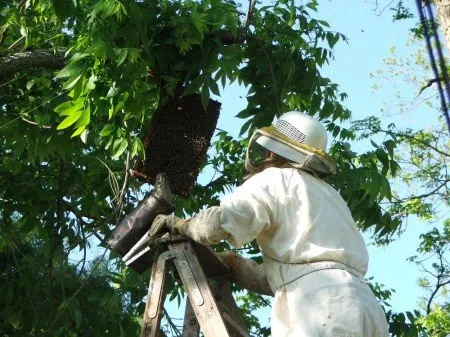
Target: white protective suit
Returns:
[[314, 256]]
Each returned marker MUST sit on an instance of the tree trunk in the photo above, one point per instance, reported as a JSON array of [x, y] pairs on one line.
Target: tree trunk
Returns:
[[443, 17], [17, 62]]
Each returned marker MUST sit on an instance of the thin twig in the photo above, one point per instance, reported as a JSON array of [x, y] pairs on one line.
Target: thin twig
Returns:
[[171, 323], [384, 8], [35, 108], [16, 262], [81, 220], [83, 234], [37, 124], [112, 181], [425, 195], [439, 284], [429, 84], [125, 179], [15, 79]]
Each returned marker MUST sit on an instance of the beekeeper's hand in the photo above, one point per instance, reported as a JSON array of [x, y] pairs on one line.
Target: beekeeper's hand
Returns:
[[247, 273], [204, 228], [163, 223]]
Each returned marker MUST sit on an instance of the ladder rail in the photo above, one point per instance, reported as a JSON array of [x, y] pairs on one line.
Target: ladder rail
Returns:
[[156, 295], [202, 311], [194, 280]]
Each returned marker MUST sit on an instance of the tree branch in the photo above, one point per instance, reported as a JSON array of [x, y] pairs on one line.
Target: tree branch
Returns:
[[17, 62], [83, 234], [171, 323], [125, 179], [251, 6], [429, 84], [35, 123], [415, 139], [439, 284], [377, 5], [425, 194]]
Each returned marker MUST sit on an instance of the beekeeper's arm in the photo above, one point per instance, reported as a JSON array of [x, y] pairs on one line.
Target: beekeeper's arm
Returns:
[[240, 218]]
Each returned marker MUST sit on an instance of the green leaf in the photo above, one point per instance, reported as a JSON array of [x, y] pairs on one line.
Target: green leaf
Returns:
[[61, 8], [312, 5], [390, 145], [332, 39], [245, 127], [67, 108], [23, 31], [72, 69], [410, 316], [336, 131], [247, 112], [107, 129], [232, 25], [69, 120], [386, 189], [71, 82], [315, 103], [84, 135], [91, 82], [79, 56], [122, 56], [138, 148], [213, 86], [383, 158], [113, 91], [78, 131], [324, 23], [205, 97], [111, 111], [120, 148], [122, 99], [30, 84], [85, 118]]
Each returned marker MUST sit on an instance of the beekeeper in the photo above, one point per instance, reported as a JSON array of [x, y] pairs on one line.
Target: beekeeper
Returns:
[[314, 256]]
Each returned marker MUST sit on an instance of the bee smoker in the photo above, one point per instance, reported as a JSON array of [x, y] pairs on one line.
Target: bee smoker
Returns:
[[135, 225]]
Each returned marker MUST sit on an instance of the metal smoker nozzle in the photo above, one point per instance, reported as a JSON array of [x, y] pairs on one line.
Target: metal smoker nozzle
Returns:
[[134, 226]]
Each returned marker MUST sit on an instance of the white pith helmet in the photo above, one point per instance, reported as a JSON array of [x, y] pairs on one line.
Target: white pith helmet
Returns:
[[297, 137]]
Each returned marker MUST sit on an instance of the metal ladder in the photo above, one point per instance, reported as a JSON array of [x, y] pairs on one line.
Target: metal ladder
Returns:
[[210, 307]]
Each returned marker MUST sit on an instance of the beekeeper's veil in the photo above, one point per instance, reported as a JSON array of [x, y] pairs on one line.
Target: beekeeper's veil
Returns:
[[297, 137]]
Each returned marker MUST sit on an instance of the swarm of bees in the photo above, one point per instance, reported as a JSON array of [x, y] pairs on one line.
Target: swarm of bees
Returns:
[[177, 141]]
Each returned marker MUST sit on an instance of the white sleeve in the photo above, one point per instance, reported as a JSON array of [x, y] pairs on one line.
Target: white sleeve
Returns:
[[205, 227], [249, 209]]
